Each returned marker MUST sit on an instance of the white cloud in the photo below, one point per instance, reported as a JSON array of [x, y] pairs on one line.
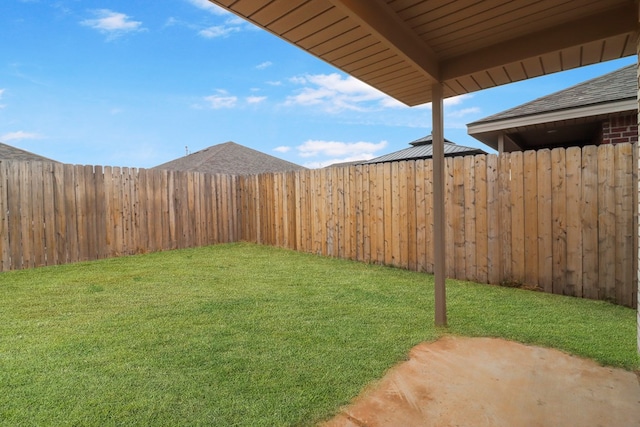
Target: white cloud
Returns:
[[282, 149], [1, 93], [334, 93], [342, 150], [171, 21], [463, 112], [18, 136], [449, 102], [256, 99], [232, 23], [218, 31], [209, 7], [457, 100], [389, 102], [274, 83], [264, 65], [221, 100], [113, 24]]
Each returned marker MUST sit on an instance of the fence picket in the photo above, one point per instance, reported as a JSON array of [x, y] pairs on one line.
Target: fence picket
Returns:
[[624, 222], [470, 218], [517, 218], [5, 250], [481, 221], [15, 218], [559, 218], [421, 217], [504, 197], [494, 247], [38, 224], [545, 222], [101, 214], [450, 248], [573, 284], [377, 210], [412, 228], [428, 200], [26, 212], [606, 223], [589, 222], [388, 218], [530, 218]]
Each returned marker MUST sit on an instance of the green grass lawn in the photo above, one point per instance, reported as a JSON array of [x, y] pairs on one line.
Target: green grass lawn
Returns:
[[249, 335]]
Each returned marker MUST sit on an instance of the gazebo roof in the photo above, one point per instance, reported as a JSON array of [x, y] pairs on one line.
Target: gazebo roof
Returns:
[[423, 149], [402, 47]]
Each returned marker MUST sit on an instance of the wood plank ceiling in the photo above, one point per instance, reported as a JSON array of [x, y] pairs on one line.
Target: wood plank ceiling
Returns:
[[402, 47]]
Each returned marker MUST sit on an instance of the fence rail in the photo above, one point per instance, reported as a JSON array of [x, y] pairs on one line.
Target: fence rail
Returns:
[[563, 220]]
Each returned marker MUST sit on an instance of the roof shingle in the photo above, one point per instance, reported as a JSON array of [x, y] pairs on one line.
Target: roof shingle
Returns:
[[231, 159], [8, 152], [618, 85], [423, 149]]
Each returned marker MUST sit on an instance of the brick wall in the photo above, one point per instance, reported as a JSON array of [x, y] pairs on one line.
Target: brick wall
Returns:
[[620, 129]]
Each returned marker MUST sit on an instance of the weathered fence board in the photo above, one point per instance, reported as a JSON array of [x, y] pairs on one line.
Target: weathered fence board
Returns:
[[606, 223], [530, 174], [573, 278], [5, 258], [562, 220], [494, 232], [518, 221], [589, 222]]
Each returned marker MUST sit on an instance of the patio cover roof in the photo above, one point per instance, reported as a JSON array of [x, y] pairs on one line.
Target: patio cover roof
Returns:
[[402, 47], [419, 51]]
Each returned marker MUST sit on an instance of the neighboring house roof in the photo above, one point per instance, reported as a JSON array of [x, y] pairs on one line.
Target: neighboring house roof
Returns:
[[345, 164], [423, 149], [570, 114], [8, 152], [231, 159]]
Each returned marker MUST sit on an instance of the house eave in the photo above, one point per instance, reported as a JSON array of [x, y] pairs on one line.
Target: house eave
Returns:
[[488, 132]]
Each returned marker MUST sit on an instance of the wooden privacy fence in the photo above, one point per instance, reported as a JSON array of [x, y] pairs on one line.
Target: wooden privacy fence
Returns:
[[562, 220], [56, 214]]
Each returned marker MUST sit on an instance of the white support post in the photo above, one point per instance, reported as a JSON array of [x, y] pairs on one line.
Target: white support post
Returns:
[[439, 254]]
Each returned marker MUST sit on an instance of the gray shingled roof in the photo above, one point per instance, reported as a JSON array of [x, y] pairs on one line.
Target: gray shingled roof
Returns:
[[423, 149], [7, 152], [618, 85], [231, 159]]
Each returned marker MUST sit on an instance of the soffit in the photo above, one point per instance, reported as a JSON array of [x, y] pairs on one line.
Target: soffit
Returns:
[[575, 127], [402, 47]]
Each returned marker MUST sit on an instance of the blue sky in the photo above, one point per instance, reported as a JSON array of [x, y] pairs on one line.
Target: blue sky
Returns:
[[132, 83]]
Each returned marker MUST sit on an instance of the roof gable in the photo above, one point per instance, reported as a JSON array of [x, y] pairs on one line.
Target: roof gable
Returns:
[[231, 159]]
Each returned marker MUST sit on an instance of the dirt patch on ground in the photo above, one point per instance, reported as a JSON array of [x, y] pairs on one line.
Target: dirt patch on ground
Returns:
[[492, 382]]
